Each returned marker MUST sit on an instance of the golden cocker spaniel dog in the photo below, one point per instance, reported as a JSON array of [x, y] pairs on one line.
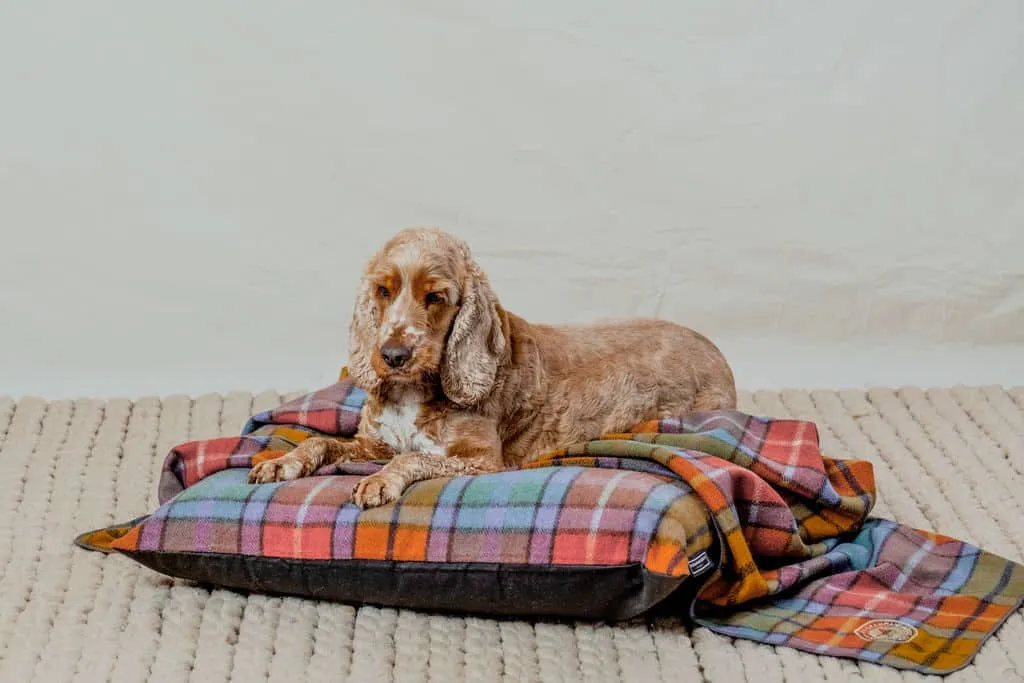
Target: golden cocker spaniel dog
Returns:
[[458, 385]]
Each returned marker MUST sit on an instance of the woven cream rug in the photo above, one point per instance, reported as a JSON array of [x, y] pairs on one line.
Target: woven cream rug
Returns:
[[946, 460]]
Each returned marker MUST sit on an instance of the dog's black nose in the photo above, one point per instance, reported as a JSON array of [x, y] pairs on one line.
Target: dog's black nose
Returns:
[[395, 355]]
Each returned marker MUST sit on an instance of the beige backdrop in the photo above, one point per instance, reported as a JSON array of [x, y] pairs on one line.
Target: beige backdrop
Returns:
[[833, 191]]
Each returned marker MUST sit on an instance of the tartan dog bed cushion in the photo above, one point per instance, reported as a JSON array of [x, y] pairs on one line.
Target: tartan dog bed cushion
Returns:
[[735, 522], [567, 541]]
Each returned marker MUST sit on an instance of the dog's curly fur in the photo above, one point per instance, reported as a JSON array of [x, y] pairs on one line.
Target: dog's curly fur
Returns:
[[483, 389]]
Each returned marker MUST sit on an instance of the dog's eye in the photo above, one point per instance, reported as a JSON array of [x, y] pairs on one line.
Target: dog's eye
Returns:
[[383, 292], [433, 298]]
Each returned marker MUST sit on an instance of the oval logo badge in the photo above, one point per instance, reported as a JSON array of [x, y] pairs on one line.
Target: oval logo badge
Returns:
[[886, 630]]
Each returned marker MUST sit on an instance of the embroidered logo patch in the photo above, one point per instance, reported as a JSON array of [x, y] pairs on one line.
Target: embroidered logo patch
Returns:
[[886, 630]]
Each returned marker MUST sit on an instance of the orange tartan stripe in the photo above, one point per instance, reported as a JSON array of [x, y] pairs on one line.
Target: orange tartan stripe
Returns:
[[925, 645], [372, 541], [958, 612], [263, 456], [129, 541], [291, 434], [410, 543], [663, 557]]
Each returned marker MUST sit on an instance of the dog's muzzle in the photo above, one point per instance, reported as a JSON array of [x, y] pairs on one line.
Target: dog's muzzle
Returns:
[[395, 355]]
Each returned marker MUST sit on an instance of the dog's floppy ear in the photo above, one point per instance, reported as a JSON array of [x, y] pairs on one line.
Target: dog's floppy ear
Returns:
[[476, 343], [362, 337]]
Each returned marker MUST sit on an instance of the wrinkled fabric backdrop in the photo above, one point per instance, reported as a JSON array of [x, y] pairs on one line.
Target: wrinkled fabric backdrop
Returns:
[[833, 191]]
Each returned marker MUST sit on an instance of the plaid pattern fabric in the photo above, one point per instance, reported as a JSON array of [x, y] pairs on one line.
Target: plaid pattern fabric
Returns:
[[806, 566], [568, 516], [331, 411], [800, 563]]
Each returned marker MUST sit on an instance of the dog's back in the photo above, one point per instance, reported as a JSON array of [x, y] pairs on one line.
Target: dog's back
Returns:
[[610, 376]]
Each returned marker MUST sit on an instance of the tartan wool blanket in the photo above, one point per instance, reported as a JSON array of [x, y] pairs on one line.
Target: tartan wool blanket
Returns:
[[796, 559]]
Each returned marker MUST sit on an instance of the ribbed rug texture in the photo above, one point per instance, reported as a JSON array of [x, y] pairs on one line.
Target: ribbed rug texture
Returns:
[[948, 460]]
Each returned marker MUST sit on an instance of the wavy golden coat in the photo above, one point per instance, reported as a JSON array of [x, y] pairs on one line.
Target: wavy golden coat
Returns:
[[458, 385]]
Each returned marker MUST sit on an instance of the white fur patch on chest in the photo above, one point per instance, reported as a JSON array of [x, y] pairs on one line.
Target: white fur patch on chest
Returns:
[[396, 426]]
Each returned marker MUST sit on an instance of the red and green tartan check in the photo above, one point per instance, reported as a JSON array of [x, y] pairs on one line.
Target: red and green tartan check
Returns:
[[800, 563]]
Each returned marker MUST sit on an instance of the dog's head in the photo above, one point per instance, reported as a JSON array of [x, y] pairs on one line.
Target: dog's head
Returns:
[[425, 311]]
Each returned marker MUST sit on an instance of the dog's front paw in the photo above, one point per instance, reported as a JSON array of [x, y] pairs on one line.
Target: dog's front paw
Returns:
[[376, 490], [285, 468]]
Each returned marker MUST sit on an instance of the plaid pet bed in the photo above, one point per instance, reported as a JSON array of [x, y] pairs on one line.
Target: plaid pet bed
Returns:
[[776, 537]]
